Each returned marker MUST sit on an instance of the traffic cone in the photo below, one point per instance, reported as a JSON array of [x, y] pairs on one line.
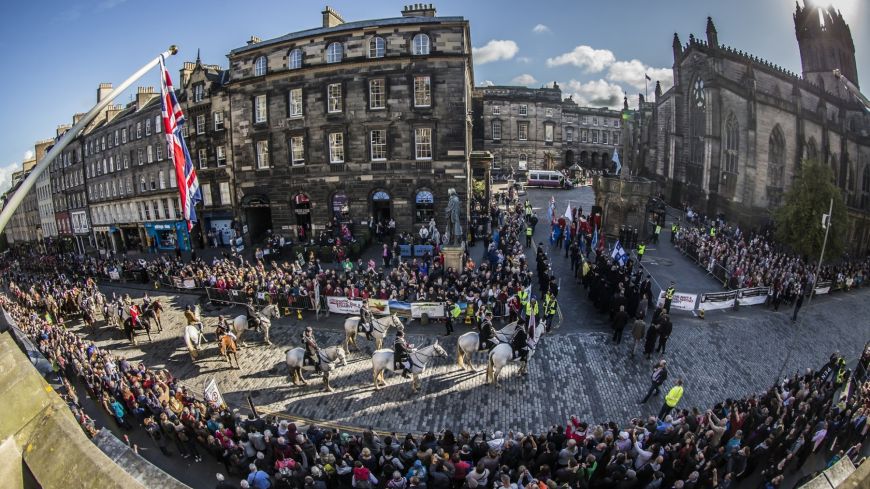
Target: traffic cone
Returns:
[[299, 314]]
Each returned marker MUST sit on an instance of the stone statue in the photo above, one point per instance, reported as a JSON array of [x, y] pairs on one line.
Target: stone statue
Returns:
[[454, 230]]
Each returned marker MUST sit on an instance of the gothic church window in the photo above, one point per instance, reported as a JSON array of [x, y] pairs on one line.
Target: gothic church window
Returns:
[[776, 159], [732, 143]]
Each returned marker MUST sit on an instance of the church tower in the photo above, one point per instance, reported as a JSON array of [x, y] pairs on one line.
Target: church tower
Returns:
[[825, 43]]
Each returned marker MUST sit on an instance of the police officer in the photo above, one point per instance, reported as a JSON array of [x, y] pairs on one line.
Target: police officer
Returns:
[[641, 249], [311, 349], [532, 310], [669, 296], [674, 228], [549, 309], [528, 235], [656, 235], [453, 314], [487, 333], [402, 352]]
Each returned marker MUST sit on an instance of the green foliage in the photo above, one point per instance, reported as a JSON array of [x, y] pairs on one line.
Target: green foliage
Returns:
[[799, 219]]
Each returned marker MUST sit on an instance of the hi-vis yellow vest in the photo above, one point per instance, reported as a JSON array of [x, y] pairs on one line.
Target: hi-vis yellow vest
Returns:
[[674, 395]]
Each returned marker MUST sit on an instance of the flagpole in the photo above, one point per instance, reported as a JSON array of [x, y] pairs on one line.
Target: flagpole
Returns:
[[16, 199]]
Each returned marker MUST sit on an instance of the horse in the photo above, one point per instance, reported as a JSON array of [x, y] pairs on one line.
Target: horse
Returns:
[[380, 326], [89, 313], [469, 343], [152, 312], [328, 359], [228, 349], [384, 360], [130, 331], [503, 354], [240, 323]]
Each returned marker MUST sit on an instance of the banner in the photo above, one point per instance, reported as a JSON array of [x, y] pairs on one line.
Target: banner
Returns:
[[177, 283], [752, 296], [114, 275], [400, 308], [343, 305], [189, 283], [379, 306], [823, 288], [681, 301], [212, 393], [717, 300], [433, 309]]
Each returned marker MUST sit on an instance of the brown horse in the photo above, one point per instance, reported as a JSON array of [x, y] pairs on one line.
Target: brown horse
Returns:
[[229, 349], [153, 312]]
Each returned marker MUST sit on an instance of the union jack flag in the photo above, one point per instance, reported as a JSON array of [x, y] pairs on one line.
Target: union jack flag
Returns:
[[185, 174]]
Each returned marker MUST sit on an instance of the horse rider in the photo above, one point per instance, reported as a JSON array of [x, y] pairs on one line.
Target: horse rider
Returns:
[[253, 315], [402, 351], [146, 302], [191, 318], [487, 332], [312, 351], [134, 316], [223, 329], [366, 321], [520, 343]]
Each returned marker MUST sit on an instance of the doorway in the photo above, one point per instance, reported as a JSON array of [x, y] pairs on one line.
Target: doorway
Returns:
[[302, 211], [381, 206]]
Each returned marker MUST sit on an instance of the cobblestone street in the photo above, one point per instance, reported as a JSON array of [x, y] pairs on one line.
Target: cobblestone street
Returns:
[[730, 354]]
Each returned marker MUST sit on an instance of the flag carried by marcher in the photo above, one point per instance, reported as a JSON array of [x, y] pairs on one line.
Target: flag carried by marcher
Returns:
[[595, 238], [185, 173], [568, 215], [619, 254], [616, 160]]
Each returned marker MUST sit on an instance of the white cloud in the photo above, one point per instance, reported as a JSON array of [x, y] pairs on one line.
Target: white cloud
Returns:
[[633, 73], [486, 83], [6, 175], [28, 154], [109, 4], [524, 79], [595, 93], [495, 50], [585, 57], [524, 59], [541, 29]]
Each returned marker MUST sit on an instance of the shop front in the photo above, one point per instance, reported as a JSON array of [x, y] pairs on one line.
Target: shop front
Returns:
[[218, 228], [167, 236], [132, 237]]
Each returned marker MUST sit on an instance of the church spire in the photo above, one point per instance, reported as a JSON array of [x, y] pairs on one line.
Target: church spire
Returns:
[[198, 60], [678, 47], [712, 36]]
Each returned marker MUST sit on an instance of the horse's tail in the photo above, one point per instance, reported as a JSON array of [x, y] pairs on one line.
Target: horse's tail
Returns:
[[490, 368], [460, 355]]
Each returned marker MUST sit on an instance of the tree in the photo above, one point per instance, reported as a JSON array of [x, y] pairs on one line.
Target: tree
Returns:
[[799, 219]]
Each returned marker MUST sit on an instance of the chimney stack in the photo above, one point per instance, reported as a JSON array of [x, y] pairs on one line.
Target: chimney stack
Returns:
[[103, 90], [112, 111], [331, 18], [253, 40], [419, 10], [62, 128], [143, 96], [185, 72]]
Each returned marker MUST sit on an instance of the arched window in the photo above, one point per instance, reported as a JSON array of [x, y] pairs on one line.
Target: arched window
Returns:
[[421, 45], [698, 121], [334, 53], [776, 159], [835, 168], [425, 205], [294, 59], [377, 47], [865, 187], [260, 66], [732, 143]]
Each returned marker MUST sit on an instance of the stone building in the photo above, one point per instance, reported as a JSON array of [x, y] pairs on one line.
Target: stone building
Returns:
[[206, 104], [730, 135], [131, 182], [535, 128], [352, 121], [63, 170]]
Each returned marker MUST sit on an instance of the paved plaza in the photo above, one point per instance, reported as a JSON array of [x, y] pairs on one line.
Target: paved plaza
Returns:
[[576, 370]]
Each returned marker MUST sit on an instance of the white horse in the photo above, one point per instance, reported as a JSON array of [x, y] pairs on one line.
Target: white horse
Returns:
[[193, 336], [469, 343], [240, 323], [380, 326], [328, 359], [420, 357], [503, 354]]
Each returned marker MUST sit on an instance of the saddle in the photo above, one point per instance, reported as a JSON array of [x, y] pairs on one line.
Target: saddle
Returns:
[[363, 327]]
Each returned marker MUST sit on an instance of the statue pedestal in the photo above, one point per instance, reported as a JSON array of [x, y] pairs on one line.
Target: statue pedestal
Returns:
[[453, 256]]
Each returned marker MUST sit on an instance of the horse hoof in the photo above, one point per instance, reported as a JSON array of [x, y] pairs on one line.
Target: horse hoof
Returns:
[[328, 389]]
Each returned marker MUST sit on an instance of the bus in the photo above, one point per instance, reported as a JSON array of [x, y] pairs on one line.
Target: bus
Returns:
[[546, 178]]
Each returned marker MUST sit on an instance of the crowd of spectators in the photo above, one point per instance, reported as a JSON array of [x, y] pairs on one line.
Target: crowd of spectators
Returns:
[[756, 260], [767, 435]]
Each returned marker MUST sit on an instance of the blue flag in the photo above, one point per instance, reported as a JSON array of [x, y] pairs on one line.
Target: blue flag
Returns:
[[595, 238], [616, 160], [619, 254]]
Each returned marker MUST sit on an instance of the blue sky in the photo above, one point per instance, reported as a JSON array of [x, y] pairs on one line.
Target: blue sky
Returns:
[[59, 51]]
